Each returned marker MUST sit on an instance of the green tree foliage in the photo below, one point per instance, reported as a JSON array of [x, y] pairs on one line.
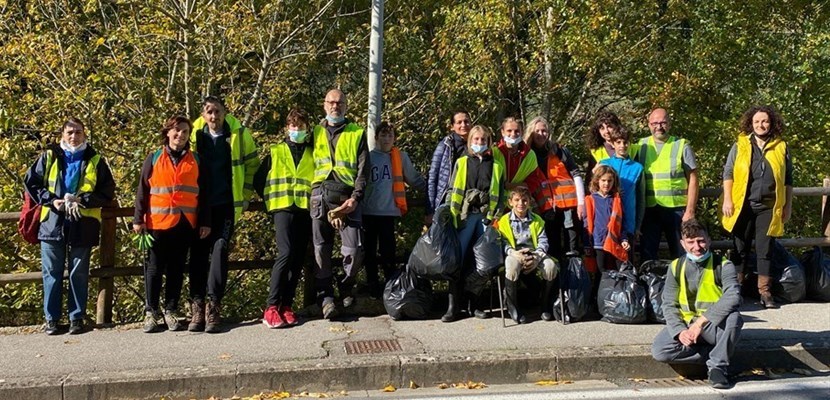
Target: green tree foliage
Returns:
[[125, 66]]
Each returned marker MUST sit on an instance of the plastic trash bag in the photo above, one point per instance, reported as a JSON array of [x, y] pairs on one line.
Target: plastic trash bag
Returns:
[[407, 297], [817, 271], [575, 284], [621, 298], [437, 254], [654, 284], [789, 281], [488, 252], [658, 267]]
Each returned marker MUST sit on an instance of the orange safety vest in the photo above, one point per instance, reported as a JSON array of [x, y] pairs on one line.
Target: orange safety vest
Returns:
[[613, 242], [559, 189], [398, 188], [174, 190]]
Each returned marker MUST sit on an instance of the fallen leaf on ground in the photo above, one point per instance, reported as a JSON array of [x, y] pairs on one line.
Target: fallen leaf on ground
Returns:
[[225, 356], [754, 371], [636, 379], [547, 383], [681, 378], [344, 393], [470, 385], [443, 386], [413, 385], [38, 355], [388, 389], [70, 341]]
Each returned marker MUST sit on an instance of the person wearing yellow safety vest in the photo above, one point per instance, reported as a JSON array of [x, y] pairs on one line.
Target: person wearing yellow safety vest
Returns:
[[476, 199], [757, 193], [341, 166], [230, 154], [71, 182], [671, 179], [284, 182], [700, 303], [526, 247], [384, 203], [170, 205], [560, 197]]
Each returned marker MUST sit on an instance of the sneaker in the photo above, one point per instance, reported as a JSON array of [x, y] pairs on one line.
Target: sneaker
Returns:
[[329, 310], [348, 301], [272, 318], [212, 318], [288, 315], [171, 319], [50, 328], [150, 322], [718, 380], [76, 327], [197, 320]]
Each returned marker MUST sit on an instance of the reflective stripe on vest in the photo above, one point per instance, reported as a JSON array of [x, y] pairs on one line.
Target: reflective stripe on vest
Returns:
[[559, 189], [526, 166], [242, 152], [666, 183], [612, 242], [459, 188], [345, 155], [174, 190], [398, 187], [87, 184], [708, 292], [537, 225], [288, 184], [775, 152]]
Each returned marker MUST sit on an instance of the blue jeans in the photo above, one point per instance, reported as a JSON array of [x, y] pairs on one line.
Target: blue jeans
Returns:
[[469, 233], [53, 257]]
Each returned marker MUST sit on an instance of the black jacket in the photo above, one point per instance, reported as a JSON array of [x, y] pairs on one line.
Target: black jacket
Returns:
[[83, 233]]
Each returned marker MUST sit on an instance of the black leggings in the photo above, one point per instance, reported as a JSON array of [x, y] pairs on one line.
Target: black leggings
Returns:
[[293, 234], [167, 256], [753, 223], [379, 238]]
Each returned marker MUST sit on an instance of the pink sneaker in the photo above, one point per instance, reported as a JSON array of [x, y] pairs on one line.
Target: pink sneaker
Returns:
[[272, 318], [288, 315]]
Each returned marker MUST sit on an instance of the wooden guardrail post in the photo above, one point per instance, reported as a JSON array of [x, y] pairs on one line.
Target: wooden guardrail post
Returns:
[[825, 210], [106, 285]]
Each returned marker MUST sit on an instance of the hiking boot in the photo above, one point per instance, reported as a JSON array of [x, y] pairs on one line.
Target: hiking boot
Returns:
[[197, 319], [272, 319], [50, 328], [171, 319], [288, 315], [718, 380], [150, 322], [329, 310], [212, 318], [76, 327]]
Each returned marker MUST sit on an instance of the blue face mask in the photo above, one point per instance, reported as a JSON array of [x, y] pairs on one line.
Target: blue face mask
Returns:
[[478, 148], [513, 141], [696, 259], [297, 136], [335, 120]]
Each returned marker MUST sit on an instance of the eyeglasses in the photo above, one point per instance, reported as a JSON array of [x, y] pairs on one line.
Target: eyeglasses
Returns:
[[656, 124], [334, 103]]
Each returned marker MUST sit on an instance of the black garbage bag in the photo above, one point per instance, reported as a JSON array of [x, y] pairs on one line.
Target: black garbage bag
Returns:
[[437, 254], [654, 289], [407, 297], [575, 284], [658, 267], [789, 283], [621, 298], [817, 271], [488, 252]]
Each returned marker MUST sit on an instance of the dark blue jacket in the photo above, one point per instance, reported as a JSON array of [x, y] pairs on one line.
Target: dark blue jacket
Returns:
[[87, 231], [440, 171]]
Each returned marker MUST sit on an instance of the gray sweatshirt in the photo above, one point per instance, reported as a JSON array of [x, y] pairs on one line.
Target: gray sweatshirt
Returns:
[[379, 199], [728, 303]]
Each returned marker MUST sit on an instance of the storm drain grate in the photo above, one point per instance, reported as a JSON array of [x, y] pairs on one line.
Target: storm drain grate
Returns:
[[671, 383], [372, 346]]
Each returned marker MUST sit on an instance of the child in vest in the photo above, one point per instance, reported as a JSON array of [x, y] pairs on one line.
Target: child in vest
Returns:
[[606, 236], [284, 183], [526, 246], [170, 204], [632, 183], [385, 202]]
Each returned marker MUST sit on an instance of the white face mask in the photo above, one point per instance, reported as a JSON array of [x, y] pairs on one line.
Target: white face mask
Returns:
[[478, 148], [697, 259], [73, 149], [513, 141]]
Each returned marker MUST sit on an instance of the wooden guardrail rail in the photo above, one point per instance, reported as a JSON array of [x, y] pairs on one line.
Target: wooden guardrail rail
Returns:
[[107, 269]]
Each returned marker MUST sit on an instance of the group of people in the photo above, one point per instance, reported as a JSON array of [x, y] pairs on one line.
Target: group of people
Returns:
[[324, 180]]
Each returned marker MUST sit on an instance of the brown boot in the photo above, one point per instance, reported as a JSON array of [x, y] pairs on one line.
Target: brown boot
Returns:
[[212, 317], [763, 289], [197, 321]]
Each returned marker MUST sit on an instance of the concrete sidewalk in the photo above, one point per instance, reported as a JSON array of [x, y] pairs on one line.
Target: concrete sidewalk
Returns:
[[124, 362]]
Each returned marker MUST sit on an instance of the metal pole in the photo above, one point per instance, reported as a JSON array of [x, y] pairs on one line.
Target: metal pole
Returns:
[[375, 71]]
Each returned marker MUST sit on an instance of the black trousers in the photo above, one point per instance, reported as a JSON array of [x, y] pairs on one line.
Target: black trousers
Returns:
[[564, 221], [167, 256], [379, 238], [606, 261], [292, 234], [209, 257], [659, 221], [753, 223]]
